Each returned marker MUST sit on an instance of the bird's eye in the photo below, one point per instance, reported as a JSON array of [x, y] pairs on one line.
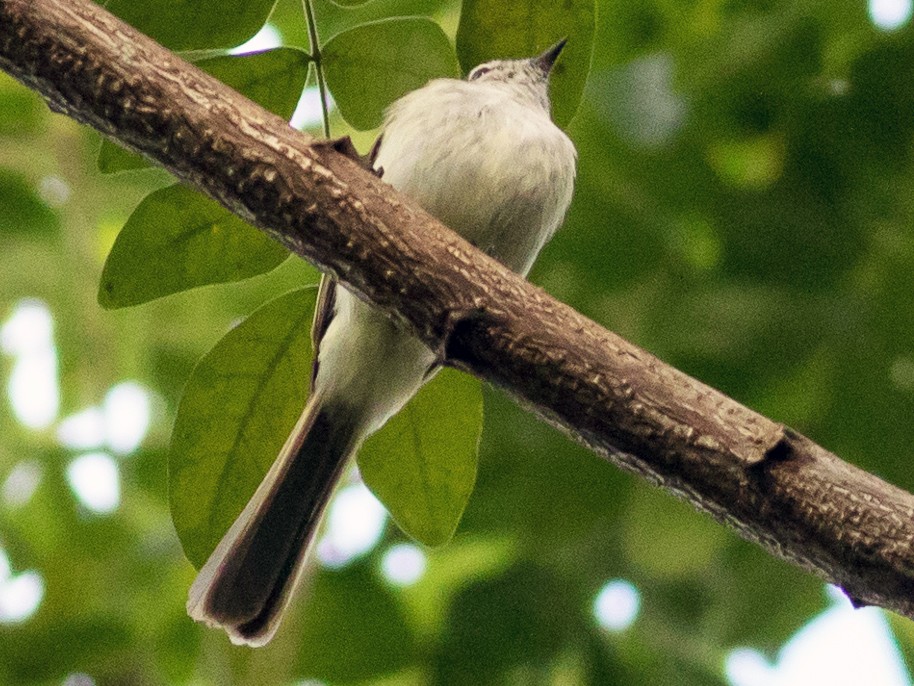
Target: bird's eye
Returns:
[[479, 72]]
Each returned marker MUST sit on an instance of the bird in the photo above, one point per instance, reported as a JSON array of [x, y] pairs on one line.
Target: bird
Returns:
[[482, 155]]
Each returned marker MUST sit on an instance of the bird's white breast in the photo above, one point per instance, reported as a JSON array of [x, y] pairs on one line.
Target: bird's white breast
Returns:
[[490, 165], [483, 159]]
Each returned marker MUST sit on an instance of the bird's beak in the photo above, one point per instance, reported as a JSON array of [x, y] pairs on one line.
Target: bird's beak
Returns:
[[548, 58]]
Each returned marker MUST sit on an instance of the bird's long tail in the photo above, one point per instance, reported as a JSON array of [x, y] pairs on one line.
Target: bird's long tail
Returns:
[[248, 581]]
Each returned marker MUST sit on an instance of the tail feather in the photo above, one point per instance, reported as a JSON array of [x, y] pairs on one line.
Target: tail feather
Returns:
[[249, 579]]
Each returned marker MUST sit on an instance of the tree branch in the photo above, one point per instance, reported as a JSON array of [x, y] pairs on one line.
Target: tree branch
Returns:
[[774, 486]]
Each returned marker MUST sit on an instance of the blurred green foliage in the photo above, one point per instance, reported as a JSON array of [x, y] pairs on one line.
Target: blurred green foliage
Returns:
[[743, 210]]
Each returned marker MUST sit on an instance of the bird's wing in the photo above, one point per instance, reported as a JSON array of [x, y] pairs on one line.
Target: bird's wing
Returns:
[[326, 291], [373, 155], [323, 314]]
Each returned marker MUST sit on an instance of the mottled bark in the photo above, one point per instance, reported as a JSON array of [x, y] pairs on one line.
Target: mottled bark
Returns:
[[775, 487]]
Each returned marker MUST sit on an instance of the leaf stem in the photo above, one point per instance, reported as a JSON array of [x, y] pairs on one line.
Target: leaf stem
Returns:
[[316, 57]]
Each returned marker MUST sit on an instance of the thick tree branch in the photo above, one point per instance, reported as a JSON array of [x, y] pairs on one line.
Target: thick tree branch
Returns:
[[774, 486]]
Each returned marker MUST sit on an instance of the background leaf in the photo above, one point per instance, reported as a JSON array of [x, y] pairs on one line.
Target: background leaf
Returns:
[[22, 210], [496, 628], [274, 79], [511, 29], [177, 239], [354, 629], [422, 464], [197, 25], [371, 65], [240, 403]]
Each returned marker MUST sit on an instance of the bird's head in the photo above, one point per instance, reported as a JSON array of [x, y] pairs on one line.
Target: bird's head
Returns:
[[528, 76]]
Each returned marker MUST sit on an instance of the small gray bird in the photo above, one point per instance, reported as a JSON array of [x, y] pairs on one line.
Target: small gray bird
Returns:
[[484, 157]]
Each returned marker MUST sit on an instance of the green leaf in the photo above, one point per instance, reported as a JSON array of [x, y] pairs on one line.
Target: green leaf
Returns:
[[239, 405], [370, 66], [501, 29], [903, 630], [274, 79], [22, 211], [175, 240], [21, 110], [113, 158], [422, 465], [197, 25]]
